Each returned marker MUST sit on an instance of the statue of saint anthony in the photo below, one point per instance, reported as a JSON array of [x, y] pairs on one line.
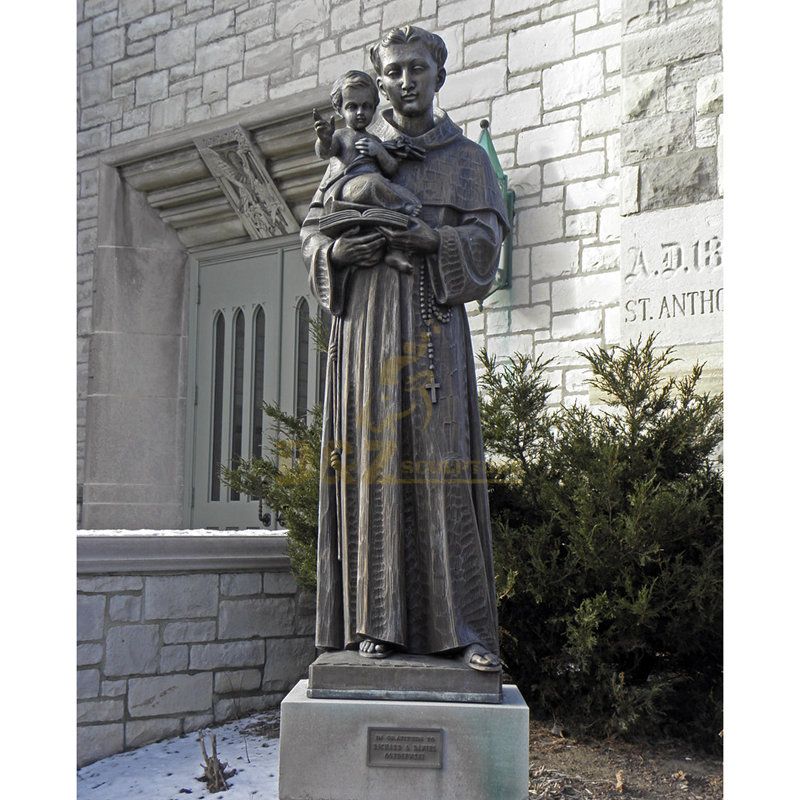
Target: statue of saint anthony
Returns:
[[405, 551]]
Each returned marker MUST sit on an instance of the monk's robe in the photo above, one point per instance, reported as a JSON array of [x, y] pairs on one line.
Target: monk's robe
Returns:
[[405, 550]]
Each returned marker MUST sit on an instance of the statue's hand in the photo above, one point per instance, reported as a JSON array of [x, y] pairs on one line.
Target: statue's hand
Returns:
[[419, 237], [368, 147], [360, 251], [323, 128]]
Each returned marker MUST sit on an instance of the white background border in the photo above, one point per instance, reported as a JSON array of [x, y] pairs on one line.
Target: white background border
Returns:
[[762, 218]]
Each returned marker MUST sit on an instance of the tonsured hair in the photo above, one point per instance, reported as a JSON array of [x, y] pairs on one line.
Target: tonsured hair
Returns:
[[435, 44], [352, 78]]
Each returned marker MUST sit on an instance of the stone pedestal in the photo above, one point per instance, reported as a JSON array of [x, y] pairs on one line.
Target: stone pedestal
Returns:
[[345, 675], [397, 750]]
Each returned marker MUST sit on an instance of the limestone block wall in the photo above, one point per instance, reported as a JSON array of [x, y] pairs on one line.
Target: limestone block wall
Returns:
[[671, 178], [547, 73], [672, 103], [162, 653], [556, 128]]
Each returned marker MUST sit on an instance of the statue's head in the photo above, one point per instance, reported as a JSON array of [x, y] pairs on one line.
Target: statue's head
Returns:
[[354, 96], [410, 62]]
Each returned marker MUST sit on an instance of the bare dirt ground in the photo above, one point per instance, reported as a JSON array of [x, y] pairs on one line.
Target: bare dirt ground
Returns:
[[566, 769]]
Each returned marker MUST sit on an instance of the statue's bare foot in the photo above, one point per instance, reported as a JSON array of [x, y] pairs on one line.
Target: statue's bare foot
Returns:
[[478, 657], [372, 649]]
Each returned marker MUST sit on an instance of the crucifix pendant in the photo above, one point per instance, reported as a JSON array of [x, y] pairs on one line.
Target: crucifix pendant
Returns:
[[432, 387]]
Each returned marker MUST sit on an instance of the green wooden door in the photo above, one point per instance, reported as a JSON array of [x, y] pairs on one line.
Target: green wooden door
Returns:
[[247, 351]]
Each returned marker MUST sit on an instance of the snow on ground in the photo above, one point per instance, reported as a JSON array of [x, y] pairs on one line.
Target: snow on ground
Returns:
[[168, 770]]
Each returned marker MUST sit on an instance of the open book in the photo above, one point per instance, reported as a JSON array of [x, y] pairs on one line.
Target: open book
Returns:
[[337, 222]]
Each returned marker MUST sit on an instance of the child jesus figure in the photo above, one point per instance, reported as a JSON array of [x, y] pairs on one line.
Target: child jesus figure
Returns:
[[361, 164]]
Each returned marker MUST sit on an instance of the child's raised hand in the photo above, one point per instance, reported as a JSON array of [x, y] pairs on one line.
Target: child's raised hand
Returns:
[[324, 128]]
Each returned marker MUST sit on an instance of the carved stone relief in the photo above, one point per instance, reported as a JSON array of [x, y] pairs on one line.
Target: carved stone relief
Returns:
[[242, 175]]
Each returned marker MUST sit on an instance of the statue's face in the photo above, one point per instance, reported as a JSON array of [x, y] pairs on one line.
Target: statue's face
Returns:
[[358, 107], [409, 78]]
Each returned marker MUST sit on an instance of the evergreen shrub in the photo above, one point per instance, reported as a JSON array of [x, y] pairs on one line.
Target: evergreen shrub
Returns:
[[607, 527], [287, 481]]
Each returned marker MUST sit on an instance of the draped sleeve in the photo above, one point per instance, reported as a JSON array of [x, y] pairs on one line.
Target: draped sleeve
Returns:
[[327, 282], [465, 265]]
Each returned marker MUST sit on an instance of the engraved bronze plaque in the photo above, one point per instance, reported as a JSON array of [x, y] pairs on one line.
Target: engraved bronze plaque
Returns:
[[405, 747]]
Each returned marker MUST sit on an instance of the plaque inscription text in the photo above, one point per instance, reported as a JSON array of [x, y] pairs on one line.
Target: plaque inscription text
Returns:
[[404, 747]]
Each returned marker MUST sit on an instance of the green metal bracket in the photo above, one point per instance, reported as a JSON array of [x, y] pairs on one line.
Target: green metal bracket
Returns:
[[503, 277]]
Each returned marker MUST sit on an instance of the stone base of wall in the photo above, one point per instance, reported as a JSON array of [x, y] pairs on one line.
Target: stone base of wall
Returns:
[[175, 647]]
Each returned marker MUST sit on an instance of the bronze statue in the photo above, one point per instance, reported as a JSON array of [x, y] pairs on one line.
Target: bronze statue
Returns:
[[405, 552]]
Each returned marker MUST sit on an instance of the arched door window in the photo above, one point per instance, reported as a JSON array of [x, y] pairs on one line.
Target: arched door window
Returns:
[[237, 404], [218, 402], [324, 323], [259, 345], [301, 360]]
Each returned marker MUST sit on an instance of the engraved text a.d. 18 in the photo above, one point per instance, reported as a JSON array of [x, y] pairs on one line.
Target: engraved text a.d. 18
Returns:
[[672, 275], [704, 256]]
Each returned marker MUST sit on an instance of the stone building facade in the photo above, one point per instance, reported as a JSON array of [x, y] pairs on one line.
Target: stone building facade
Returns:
[[601, 111], [606, 116]]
